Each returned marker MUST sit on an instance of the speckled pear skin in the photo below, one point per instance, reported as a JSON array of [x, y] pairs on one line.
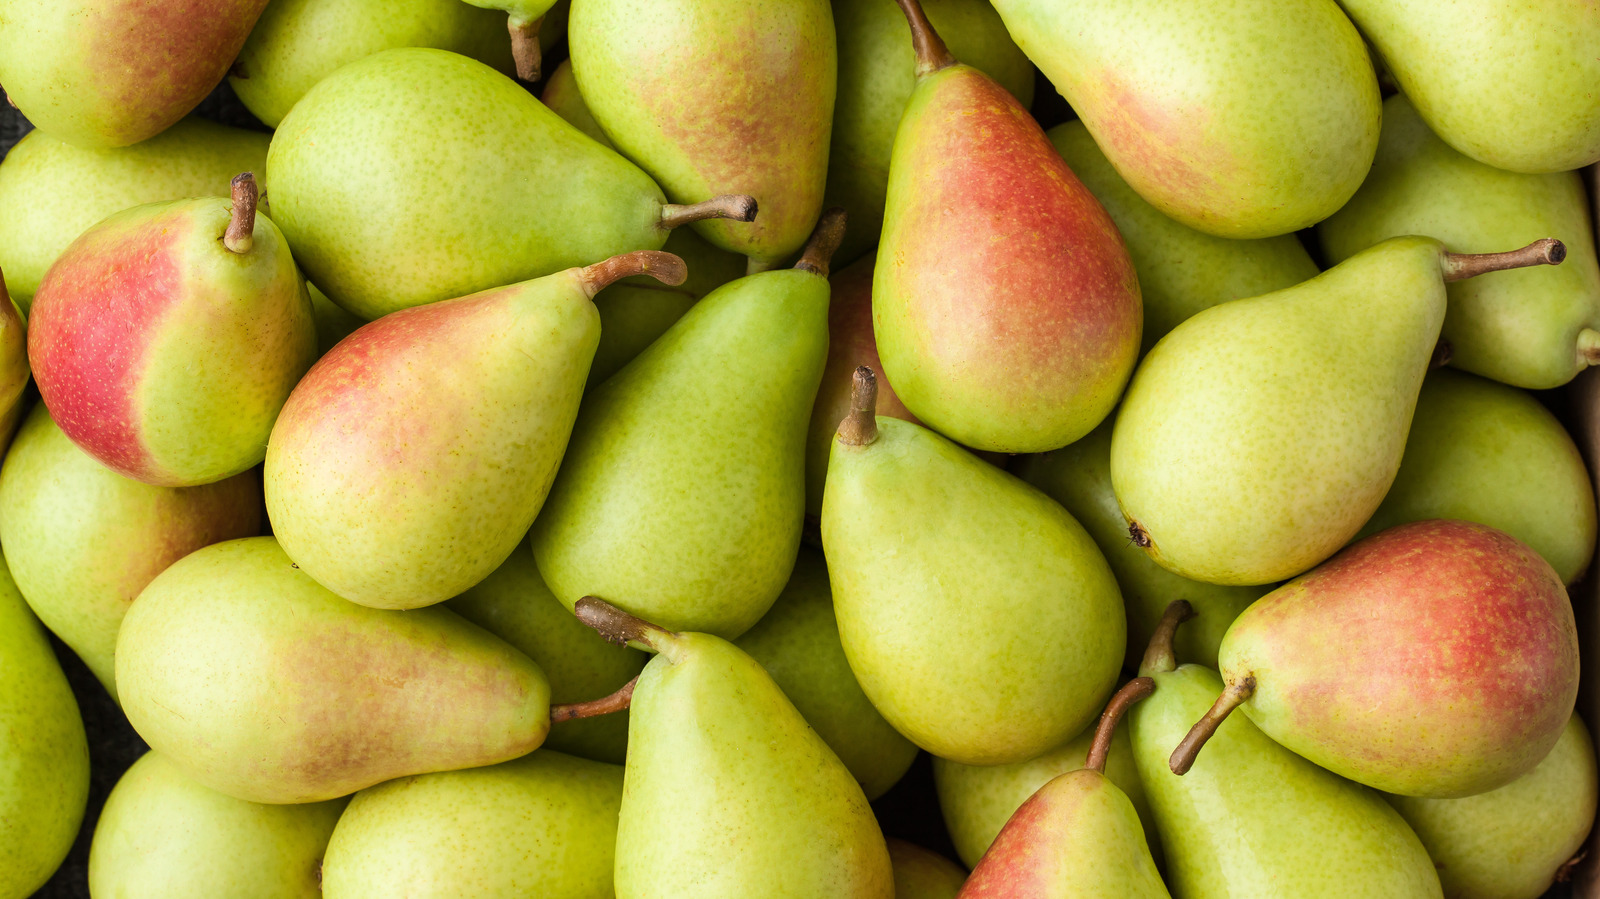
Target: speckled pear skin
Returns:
[[1521, 326], [922, 874], [82, 540], [562, 95], [681, 495], [542, 825], [514, 604], [44, 756], [163, 834], [109, 73], [717, 97], [1160, 86], [1181, 270], [52, 191], [162, 353], [978, 616], [1484, 452], [261, 684], [797, 642], [729, 792], [1257, 820], [1331, 367], [1509, 843], [877, 72], [1436, 659], [409, 462], [500, 190]]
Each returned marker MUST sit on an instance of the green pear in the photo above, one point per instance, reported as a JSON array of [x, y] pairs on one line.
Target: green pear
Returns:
[[797, 641], [415, 175], [682, 492], [514, 604], [716, 97], [44, 755], [728, 791], [1512, 843], [1181, 270], [877, 72], [83, 541], [1078, 477], [1330, 368], [333, 323], [163, 834], [978, 616], [561, 94], [1480, 451], [1534, 328], [52, 191], [1239, 119], [922, 874], [1510, 84], [1255, 819], [543, 825]]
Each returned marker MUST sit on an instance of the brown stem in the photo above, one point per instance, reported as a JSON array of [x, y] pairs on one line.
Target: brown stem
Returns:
[[1131, 692], [1589, 347], [525, 47], [1443, 352], [860, 427], [1461, 266], [237, 70], [737, 207], [605, 705], [1233, 696], [1159, 656], [824, 242], [616, 625], [932, 55], [240, 236], [664, 267]]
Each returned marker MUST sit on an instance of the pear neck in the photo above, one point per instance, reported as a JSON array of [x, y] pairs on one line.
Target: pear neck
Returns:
[[1131, 692], [1461, 266], [860, 427], [240, 236], [932, 54], [1235, 694], [824, 242], [1159, 656]]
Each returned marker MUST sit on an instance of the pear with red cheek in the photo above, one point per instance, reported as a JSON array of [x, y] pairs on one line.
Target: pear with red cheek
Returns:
[[167, 337], [1006, 306], [1435, 659]]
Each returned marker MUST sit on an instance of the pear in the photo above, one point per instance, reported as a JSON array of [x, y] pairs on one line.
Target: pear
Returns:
[[1240, 120], [163, 834], [1079, 478], [416, 175], [1181, 270], [1329, 369], [1078, 836], [562, 95], [410, 461], [83, 541], [167, 337], [44, 755], [1005, 305], [682, 493], [333, 323], [542, 825], [728, 791], [977, 615], [1510, 84], [1534, 328], [1480, 451], [1512, 843], [877, 73], [797, 641], [52, 191], [714, 97], [109, 73], [1436, 659], [514, 604], [1255, 819], [922, 874], [14, 370]]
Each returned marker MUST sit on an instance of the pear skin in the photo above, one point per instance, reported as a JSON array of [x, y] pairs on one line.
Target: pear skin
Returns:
[[333, 323], [923, 874], [561, 94]]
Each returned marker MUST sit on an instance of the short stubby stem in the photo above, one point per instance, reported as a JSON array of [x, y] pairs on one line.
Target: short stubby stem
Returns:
[[525, 50], [860, 427], [932, 54], [736, 207], [824, 242], [664, 267], [1233, 696], [1121, 701], [618, 626], [605, 705], [1461, 266], [240, 236], [1159, 656]]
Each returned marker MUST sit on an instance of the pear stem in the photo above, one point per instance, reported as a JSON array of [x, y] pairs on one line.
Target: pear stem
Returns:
[[932, 54], [1589, 347], [824, 242], [616, 625], [1233, 696], [605, 705], [525, 49], [1131, 692], [1461, 266], [738, 207], [860, 427], [240, 236], [1159, 656], [664, 267], [1443, 352]]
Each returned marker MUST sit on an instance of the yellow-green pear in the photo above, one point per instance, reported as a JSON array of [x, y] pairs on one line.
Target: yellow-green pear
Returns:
[[923, 874], [333, 323]]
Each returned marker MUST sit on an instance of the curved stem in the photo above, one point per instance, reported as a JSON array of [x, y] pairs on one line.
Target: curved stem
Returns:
[[525, 50], [1121, 701], [664, 267], [1460, 266], [738, 207], [1159, 656], [824, 242], [605, 705], [240, 236], [860, 427], [1233, 696], [1589, 347], [616, 625], [932, 54]]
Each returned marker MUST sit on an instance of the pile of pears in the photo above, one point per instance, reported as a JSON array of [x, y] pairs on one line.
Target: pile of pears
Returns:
[[591, 449]]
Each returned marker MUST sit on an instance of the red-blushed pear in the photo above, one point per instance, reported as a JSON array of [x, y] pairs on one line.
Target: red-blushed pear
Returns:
[[167, 337], [413, 457], [1078, 837], [1435, 659], [1006, 307]]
